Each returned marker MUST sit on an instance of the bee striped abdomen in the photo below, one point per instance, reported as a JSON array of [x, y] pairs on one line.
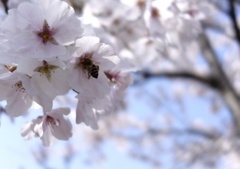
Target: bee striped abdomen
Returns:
[[90, 67], [93, 71]]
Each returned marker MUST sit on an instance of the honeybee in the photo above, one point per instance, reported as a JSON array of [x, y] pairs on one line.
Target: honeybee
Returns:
[[90, 67]]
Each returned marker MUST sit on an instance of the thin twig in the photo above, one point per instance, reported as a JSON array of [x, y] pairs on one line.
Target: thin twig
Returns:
[[209, 80], [5, 5], [233, 16]]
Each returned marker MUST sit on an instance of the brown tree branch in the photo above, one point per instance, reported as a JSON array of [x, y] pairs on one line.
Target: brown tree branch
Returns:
[[190, 131], [217, 80], [227, 90], [151, 132], [233, 17], [208, 80], [5, 5], [77, 6]]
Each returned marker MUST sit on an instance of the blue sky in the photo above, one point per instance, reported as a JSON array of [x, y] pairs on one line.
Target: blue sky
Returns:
[[16, 153]]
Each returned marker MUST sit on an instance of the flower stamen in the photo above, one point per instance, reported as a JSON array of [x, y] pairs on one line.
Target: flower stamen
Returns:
[[46, 34], [46, 69], [53, 122], [19, 86]]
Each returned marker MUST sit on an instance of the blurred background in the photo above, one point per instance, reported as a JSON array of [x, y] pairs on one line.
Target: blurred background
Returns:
[[182, 109]]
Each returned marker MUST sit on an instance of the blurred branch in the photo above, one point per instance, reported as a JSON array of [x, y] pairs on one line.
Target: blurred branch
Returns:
[[211, 135], [233, 17], [2, 109], [209, 80], [218, 80], [77, 6], [5, 5], [190, 131], [227, 90]]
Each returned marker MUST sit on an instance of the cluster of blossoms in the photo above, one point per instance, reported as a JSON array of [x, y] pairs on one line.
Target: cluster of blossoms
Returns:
[[153, 34], [44, 54]]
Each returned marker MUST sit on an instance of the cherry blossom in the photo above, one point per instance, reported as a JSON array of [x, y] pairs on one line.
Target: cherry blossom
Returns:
[[90, 110], [88, 65], [48, 80], [44, 54], [46, 34], [52, 125], [48, 54], [12, 89]]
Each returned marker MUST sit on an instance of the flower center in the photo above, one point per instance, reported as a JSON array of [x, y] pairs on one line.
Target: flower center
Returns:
[[46, 34], [46, 69], [112, 77], [18, 86], [50, 120]]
